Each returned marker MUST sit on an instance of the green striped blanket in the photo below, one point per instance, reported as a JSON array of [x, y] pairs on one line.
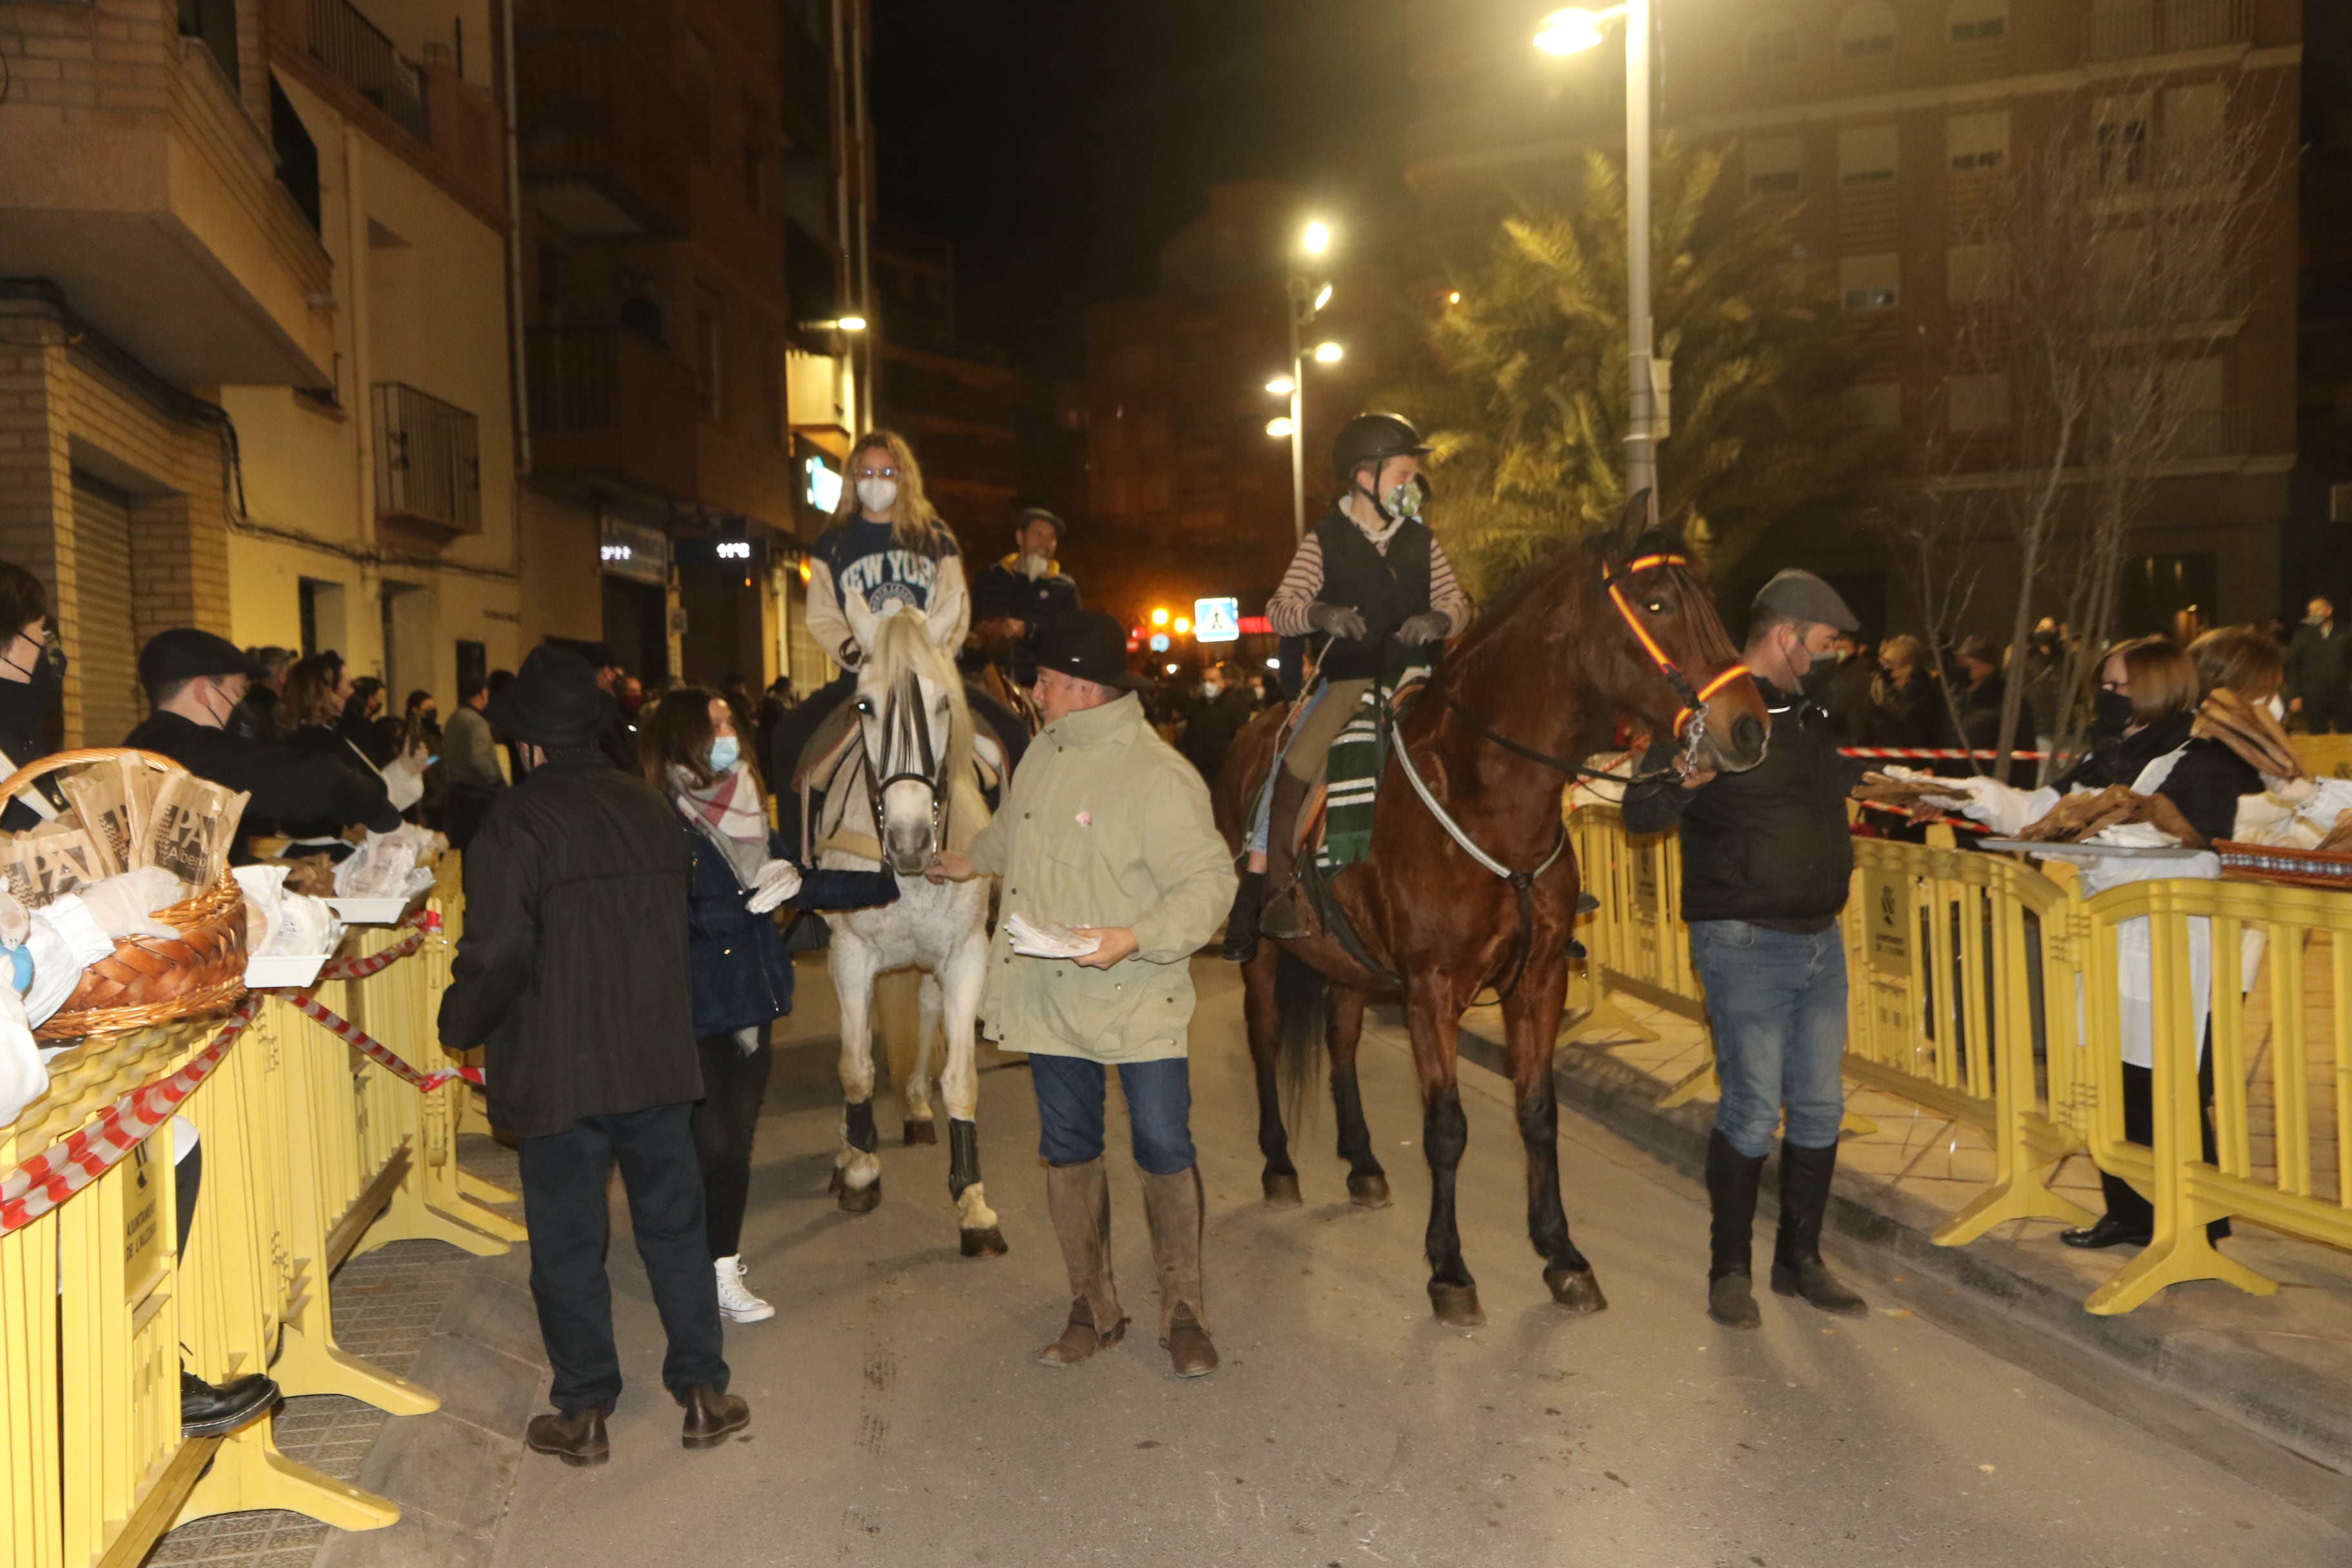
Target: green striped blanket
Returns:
[[1352, 776]]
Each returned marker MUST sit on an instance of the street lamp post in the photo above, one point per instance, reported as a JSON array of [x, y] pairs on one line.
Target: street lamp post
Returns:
[[1295, 302], [1570, 32]]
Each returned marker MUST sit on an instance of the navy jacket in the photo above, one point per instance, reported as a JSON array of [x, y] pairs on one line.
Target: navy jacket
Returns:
[[743, 976]]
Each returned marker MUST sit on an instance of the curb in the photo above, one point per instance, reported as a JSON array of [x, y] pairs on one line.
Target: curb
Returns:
[[2278, 1425]]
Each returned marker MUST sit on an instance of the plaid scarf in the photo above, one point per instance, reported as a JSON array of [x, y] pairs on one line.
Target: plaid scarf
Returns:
[[731, 811]]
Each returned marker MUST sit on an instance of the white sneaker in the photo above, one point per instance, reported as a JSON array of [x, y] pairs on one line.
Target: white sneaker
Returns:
[[735, 1303]]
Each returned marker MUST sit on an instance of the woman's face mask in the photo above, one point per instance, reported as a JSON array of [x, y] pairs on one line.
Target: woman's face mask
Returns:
[[2111, 713], [1405, 501], [878, 494], [725, 752]]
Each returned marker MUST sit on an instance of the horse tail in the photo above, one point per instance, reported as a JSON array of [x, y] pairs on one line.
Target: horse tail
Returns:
[[1300, 997]]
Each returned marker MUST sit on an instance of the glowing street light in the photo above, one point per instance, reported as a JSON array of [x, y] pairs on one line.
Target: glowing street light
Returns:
[[1184, 624], [1453, 297], [1279, 426], [1328, 352], [1316, 239], [1323, 295], [1282, 386], [1170, 668], [1160, 617], [1574, 30]]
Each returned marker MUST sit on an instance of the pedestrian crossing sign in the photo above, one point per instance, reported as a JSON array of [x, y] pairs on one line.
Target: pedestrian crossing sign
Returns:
[[1217, 620]]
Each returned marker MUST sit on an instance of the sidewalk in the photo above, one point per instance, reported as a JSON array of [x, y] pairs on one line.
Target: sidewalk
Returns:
[[2277, 1370], [463, 1327]]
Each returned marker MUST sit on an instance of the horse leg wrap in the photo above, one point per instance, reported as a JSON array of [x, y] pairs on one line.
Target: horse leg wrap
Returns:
[[964, 1156], [858, 1125]]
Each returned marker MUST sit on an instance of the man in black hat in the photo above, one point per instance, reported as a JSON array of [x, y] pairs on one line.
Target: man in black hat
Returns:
[[1106, 828], [194, 683], [574, 971], [1020, 594], [1766, 856]]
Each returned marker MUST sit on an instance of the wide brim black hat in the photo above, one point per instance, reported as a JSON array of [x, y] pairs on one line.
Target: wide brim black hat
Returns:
[[1089, 644], [553, 702]]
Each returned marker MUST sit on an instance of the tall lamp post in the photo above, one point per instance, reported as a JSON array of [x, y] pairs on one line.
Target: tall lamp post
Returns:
[[1572, 32], [1303, 297]]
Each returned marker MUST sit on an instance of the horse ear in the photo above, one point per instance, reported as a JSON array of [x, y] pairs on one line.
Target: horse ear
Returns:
[[862, 618], [1630, 523]]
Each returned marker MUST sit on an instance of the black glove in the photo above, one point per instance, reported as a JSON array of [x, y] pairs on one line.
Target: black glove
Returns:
[[1429, 626], [1337, 620]]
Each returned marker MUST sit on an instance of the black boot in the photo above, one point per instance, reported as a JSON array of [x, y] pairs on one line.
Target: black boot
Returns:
[[207, 1410], [1797, 1266], [1241, 925], [1732, 1179]]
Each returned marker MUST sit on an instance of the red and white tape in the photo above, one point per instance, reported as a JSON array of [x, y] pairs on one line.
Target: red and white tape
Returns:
[[65, 1168], [376, 1051], [1943, 753]]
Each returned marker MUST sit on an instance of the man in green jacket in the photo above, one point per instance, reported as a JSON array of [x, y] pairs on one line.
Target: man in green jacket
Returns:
[[1109, 830]]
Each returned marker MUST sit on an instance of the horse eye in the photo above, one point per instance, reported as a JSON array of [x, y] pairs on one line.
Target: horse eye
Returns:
[[866, 706], [1655, 606]]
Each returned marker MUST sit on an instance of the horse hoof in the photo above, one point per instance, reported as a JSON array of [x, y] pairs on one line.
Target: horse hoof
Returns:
[[1369, 1192], [1576, 1289], [922, 1131], [834, 1184], [861, 1200], [1282, 1191], [1456, 1306], [989, 1243]]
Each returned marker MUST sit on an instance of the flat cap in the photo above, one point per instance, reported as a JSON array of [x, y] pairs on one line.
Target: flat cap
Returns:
[[183, 652], [1795, 596]]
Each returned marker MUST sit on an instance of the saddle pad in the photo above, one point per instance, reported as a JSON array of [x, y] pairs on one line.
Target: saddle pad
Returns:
[[1352, 773]]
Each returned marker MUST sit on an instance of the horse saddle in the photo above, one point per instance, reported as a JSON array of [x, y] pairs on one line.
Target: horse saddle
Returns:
[[831, 761]]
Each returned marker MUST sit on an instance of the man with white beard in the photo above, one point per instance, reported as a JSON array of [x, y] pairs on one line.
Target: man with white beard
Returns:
[[1023, 591]]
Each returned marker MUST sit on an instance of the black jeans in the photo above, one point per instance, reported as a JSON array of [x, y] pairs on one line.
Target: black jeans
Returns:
[[725, 1118], [2124, 1202], [570, 1221]]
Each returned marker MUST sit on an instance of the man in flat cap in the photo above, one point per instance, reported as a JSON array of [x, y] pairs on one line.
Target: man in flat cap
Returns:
[[194, 681], [1766, 860]]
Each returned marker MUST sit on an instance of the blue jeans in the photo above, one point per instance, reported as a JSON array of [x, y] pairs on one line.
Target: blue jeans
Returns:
[[1070, 1091], [1776, 1001]]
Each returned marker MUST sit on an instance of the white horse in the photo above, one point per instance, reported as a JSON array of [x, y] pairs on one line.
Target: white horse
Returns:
[[910, 782]]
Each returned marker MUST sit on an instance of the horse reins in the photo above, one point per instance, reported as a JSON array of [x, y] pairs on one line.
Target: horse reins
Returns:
[[904, 730]]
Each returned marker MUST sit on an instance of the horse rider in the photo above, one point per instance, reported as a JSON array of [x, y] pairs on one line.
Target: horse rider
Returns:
[[1372, 579], [889, 546], [1107, 828], [1021, 592], [1767, 857]]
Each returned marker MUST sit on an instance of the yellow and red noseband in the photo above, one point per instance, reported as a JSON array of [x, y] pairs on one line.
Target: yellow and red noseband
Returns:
[[1693, 701]]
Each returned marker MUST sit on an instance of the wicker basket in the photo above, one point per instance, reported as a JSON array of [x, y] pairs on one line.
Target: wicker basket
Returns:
[[151, 980]]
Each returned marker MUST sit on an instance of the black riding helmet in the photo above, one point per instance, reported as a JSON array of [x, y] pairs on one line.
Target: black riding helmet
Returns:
[[1373, 439]]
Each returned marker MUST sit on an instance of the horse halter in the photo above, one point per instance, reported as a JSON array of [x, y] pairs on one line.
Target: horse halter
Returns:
[[904, 730], [1693, 698]]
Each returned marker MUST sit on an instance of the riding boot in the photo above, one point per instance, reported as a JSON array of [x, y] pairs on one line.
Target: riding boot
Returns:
[[1079, 1198], [1241, 923], [1172, 1205], [1732, 1179], [1285, 912], [1797, 1266]]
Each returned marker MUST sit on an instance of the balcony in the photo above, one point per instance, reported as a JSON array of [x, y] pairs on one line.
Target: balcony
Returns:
[[428, 466], [149, 197], [604, 144], [2168, 26], [607, 405], [807, 82], [357, 51]]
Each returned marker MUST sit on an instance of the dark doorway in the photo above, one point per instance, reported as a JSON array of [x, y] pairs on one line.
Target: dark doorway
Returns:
[[473, 662], [636, 626], [2164, 594]]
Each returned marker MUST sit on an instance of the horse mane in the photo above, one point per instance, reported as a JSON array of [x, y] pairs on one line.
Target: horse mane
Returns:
[[902, 642]]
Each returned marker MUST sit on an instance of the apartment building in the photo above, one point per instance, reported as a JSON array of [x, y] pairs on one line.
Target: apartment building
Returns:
[[698, 182], [1189, 490], [254, 255], [957, 402], [1889, 122]]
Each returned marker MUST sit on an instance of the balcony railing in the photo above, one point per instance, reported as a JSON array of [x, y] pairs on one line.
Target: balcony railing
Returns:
[[607, 402], [2129, 164], [2167, 26], [602, 139], [428, 466], [355, 49]]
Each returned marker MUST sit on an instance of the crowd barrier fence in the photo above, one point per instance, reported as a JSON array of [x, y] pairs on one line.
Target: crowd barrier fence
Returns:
[[312, 1153], [1992, 994]]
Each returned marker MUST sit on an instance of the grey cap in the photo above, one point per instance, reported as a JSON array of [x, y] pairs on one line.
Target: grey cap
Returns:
[[1795, 596]]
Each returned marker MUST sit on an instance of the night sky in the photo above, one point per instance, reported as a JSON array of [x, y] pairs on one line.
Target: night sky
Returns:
[[1056, 144]]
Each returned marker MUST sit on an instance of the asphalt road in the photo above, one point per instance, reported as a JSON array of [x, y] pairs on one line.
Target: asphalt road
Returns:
[[898, 1419]]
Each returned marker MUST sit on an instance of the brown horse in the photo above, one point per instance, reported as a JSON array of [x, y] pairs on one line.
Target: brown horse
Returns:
[[1619, 628]]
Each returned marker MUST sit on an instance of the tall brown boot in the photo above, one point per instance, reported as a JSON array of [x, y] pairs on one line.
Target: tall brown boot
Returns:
[[1079, 1198], [1285, 914], [1172, 1205]]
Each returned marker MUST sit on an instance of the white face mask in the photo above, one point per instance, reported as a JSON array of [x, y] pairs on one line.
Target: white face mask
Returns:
[[1211, 689], [876, 494], [2277, 706], [1033, 567]]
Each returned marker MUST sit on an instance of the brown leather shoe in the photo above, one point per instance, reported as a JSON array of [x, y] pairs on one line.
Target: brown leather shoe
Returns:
[[1189, 1349], [712, 1416], [1080, 1340], [574, 1437]]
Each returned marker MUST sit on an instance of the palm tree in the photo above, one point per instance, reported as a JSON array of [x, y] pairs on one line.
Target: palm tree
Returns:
[[1526, 395]]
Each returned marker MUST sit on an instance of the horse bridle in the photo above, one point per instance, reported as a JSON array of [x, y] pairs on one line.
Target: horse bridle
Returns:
[[904, 726], [1690, 721]]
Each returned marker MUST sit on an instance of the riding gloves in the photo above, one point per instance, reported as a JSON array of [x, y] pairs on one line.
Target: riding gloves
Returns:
[[1429, 626], [772, 884], [1341, 621]]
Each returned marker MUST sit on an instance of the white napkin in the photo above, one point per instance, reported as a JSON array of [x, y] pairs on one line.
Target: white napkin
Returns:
[[2134, 835], [1050, 941]]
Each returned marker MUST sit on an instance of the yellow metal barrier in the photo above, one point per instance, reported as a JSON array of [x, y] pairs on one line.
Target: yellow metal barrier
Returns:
[[1635, 943], [312, 1151]]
